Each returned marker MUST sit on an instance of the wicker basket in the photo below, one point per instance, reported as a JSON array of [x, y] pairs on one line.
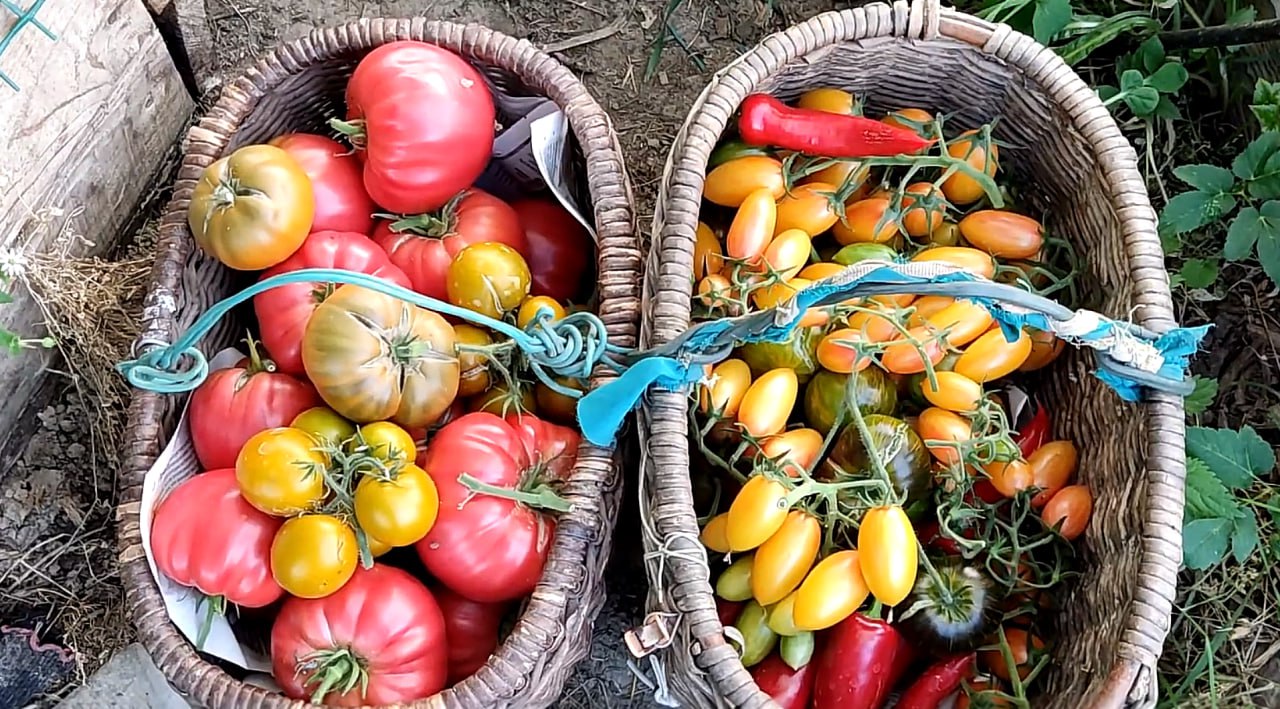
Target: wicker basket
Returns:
[[297, 87], [1065, 145]]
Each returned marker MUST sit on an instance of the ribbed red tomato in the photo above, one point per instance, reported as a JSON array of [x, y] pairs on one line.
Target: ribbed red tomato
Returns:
[[283, 311], [342, 204], [471, 629], [424, 245], [560, 253]]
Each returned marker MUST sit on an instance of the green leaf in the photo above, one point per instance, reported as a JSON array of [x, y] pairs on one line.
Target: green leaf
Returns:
[[1168, 78], [1199, 272], [1265, 92], [1266, 184], [1253, 159], [1244, 536], [1130, 79], [1167, 109], [5, 298], [1143, 101], [1242, 234], [1107, 92], [1204, 542], [1051, 16], [1191, 210], [1151, 54], [10, 341], [1201, 398], [1268, 115], [1269, 241], [1235, 457], [1207, 497], [1206, 178], [1242, 15]]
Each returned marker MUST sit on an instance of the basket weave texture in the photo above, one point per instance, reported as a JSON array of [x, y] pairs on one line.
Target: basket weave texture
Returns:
[[297, 88], [1064, 150]]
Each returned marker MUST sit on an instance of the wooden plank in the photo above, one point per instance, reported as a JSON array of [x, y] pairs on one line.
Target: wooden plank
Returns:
[[97, 111]]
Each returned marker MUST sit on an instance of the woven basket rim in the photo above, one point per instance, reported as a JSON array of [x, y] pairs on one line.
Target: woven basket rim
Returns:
[[586, 530], [1132, 679]]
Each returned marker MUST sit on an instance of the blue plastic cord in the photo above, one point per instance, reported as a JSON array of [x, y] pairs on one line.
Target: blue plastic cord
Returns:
[[571, 347], [25, 17]]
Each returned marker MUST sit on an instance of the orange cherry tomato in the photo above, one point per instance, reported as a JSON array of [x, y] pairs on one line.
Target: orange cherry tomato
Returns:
[[1003, 234], [715, 534], [915, 119], [955, 392], [708, 255], [532, 305], [768, 402], [926, 307], [899, 300], [991, 357], [887, 553], [715, 290], [828, 100], [809, 207], [725, 388], [960, 188], [874, 325], [1052, 465], [943, 433], [866, 221], [1010, 477], [1045, 348], [796, 450], [782, 562], [833, 589], [729, 184], [1071, 506], [973, 260], [1022, 645], [836, 352], [752, 227], [844, 174], [758, 511], [906, 357], [787, 253], [963, 321], [820, 270], [774, 295], [922, 209]]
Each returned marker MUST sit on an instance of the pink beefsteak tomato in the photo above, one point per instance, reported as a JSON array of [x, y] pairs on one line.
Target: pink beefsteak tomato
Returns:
[[378, 640], [471, 629], [337, 182], [561, 253], [492, 536], [283, 312]]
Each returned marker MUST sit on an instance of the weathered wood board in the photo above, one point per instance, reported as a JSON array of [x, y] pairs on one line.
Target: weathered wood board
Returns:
[[96, 112]]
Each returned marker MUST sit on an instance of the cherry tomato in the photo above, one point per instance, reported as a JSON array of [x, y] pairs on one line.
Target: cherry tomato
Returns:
[[945, 234], [979, 262], [768, 402], [955, 392], [715, 290], [1045, 348], [833, 589], [559, 408], [727, 385], [836, 352], [313, 556], [782, 617], [795, 450], [781, 563], [387, 441], [844, 174], [734, 583], [820, 270], [715, 534], [729, 184], [907, 357], [787, 253], [1010, 477], [399, 510], [708, 255], [1022, 646], [963, 321], [489, 278], [1003, 234], [828, 100], [809, 208], [926, 307], [757, 512], [324, 425], [867, 220], [960, 188], [887, 553], [991, 357], [752, 227], [473, 366], [916, 119], [923, 209], [1071, 506], [875, 324], [943, 433], [1052, 466], [532, 305], [774, 295], [279, 471]]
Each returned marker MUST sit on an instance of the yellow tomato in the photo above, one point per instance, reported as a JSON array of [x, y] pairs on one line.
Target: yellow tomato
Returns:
[[955, 392], [867, 221], [926, 307], [715, 535], [708, 255], [725, 388], [913, 119], [887, 553], [715, 290], [752, 227], [729, 184], [400, 510], [782, 562], [943, 433], [280, 471], [991, 357], [313, 556], [768, 402], [960, 188], [787, 253], [963, 322], [972, 260], [907, 356], [832, 591], [837, 352], [758, 511], [795, 450], [828, 100], [533, 305]]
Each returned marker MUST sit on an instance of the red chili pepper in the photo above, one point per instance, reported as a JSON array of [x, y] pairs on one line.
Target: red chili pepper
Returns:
[[937, 682], [790, 688], [728, 610], [859, 663], [1034, 433], [767, 121]]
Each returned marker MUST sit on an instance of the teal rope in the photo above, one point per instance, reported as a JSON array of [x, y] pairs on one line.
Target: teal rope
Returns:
[[571, 347], [25, 17]]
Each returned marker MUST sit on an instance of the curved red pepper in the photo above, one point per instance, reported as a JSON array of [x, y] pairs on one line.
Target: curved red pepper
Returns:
[[859, 663], [937, 682], [790, 688], [767, 121], [1034, 433]]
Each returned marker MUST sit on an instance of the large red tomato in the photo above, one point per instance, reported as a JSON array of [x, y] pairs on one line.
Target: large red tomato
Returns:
[[283, 312], [237, 402], [426, 120], [337, 182], [471, 629], [423, 246], [561, 252], [205, 535], [484, 546], [382, 623]]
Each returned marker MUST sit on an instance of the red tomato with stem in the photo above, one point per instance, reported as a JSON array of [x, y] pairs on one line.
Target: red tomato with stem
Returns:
[[489, 543], [378, 640], [471, 629], [423, 118], [283, 312], [337, 182], [235, 403], [560, 250], [424, 245], [791, 689]]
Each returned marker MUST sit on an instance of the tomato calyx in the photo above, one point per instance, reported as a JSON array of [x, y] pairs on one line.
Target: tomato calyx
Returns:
[[539, 495], [334, 670], [253, 364], [228, 190], [438, 224], [353, 130]]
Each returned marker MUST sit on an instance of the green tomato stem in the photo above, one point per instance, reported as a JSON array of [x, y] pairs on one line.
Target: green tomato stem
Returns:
[[213, 606], [543, 498], [335, 670], [353, 130]]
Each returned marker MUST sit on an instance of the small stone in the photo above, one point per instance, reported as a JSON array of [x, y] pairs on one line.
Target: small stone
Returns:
[[76, 451]]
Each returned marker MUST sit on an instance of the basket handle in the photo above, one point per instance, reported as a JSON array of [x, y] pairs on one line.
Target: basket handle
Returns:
[[923, 19]]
